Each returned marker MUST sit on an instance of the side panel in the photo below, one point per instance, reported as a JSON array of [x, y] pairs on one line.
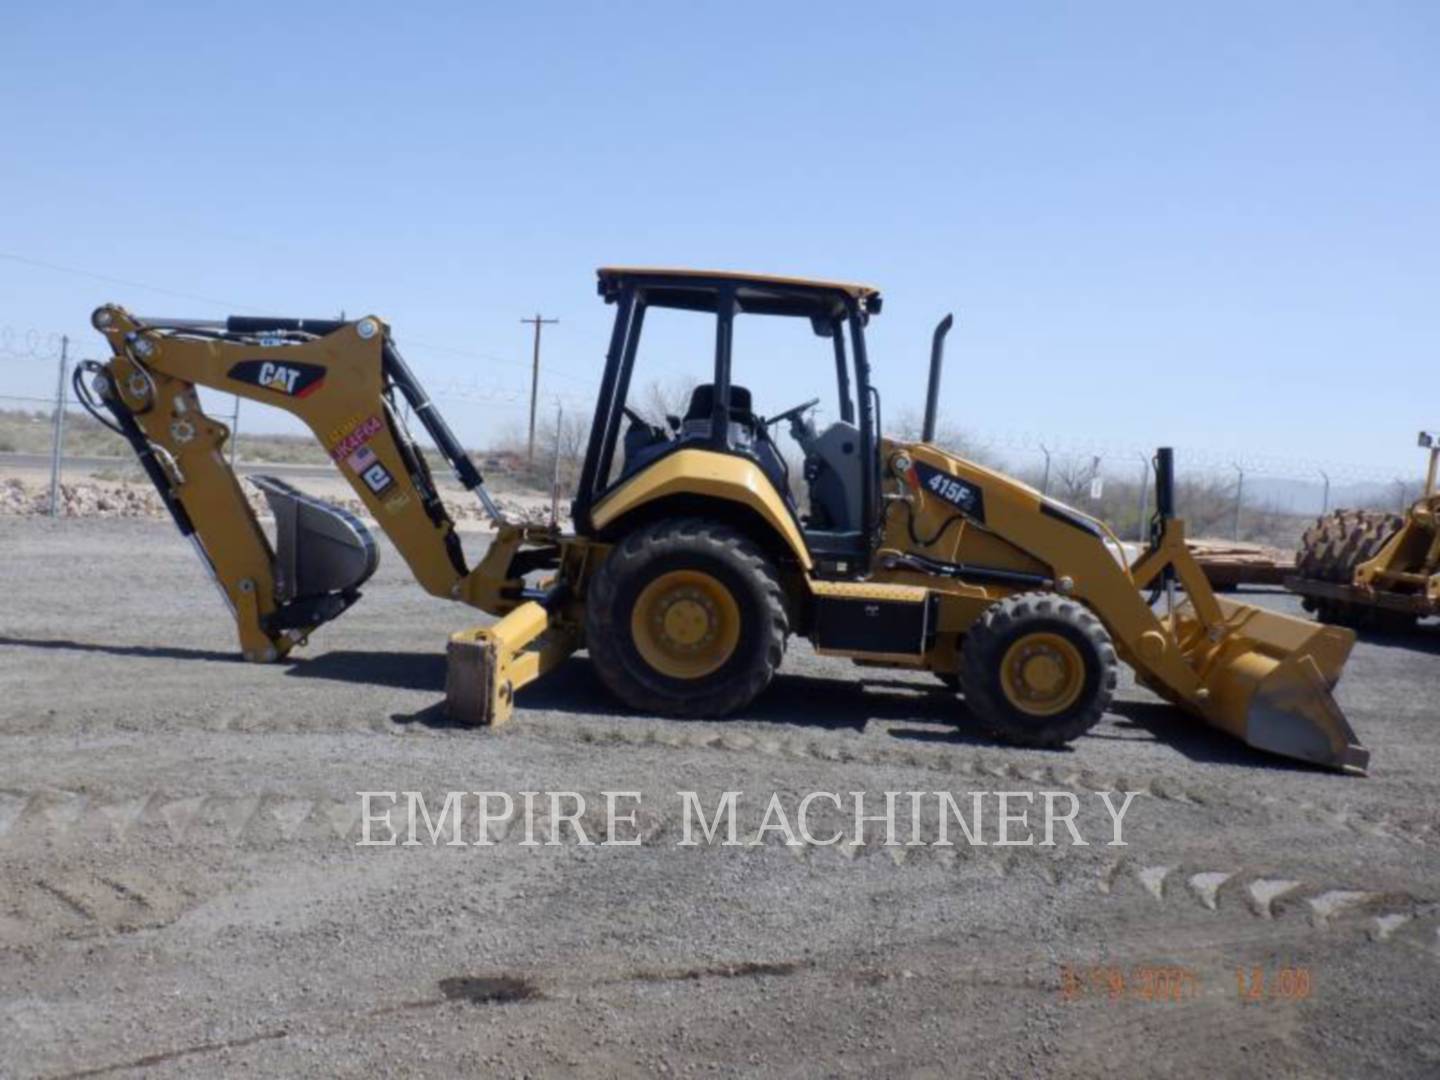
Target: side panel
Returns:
[[704, 472]]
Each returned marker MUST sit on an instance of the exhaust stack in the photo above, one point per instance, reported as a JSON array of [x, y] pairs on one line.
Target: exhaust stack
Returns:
[[937, 357]]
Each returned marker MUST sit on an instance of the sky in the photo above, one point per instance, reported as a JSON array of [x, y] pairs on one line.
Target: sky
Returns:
[[1215, 226]]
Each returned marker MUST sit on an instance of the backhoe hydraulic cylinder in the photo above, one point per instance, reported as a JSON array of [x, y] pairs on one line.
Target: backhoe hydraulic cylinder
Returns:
[[401, 375]]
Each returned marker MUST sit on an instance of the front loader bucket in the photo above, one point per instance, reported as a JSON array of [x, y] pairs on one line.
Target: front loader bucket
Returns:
[[1267, 680]]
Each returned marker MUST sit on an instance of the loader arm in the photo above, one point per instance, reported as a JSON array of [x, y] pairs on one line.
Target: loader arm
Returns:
[[341, 378], [1259, 675]]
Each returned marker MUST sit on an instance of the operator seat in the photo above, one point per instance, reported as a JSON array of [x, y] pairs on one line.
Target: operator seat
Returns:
[[642, 445], [702, 405], [746, 433]]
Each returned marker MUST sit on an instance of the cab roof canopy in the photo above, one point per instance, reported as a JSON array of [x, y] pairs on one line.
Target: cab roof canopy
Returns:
[[764, 294]]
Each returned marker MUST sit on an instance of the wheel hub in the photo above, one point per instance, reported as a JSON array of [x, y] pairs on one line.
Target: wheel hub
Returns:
[[686, 624], [687, 620], [1042, 674]]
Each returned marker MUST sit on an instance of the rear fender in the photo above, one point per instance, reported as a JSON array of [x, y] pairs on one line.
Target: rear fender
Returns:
[[688, 477]]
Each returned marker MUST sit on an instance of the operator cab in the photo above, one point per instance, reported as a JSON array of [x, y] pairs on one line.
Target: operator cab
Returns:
[[629, 434]]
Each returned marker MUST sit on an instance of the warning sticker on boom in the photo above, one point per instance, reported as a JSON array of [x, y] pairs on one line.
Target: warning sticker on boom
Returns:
[[362, 432], [964, 496], [377, 478]]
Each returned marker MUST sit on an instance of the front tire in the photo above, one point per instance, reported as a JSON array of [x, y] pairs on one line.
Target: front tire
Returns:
[[686, 618], [1038, 669]]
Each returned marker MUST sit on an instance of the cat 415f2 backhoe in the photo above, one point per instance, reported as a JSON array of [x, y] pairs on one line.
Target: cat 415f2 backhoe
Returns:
[[690, 563]]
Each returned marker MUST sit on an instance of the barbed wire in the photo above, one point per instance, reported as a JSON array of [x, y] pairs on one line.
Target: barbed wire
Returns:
[[48, 402], [29, 343], [1121, 455], [1115, 457]]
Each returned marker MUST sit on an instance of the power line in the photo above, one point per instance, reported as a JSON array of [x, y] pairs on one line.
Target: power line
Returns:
[[491, 358], [236, 306], [128, 283]]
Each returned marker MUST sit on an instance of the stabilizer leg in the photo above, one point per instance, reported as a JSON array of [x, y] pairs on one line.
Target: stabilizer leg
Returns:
[[487, 666]]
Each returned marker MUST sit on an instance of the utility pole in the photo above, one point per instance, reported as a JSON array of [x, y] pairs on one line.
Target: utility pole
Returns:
[[555, 477], [235, 427], [538, 321], [1239, 496], [57, 447], [1142, 530]]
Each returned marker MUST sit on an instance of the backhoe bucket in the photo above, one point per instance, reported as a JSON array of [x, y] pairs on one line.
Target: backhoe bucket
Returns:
[[1268, 679], [323, 554]]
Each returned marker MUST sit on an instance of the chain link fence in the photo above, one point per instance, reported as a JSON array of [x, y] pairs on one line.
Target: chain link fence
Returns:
[[1246, 498], [1250, 498]]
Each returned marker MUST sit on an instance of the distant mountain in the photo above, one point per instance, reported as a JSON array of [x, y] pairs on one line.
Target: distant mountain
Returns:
[[1307, 497]]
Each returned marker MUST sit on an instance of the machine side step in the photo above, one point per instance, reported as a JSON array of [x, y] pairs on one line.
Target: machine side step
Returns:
[[873, 621]]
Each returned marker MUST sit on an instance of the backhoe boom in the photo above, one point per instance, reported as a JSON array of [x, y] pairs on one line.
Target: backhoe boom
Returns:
[[340, 378]]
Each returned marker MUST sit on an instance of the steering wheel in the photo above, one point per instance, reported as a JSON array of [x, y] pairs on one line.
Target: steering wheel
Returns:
[[791, 414], [656, 432]]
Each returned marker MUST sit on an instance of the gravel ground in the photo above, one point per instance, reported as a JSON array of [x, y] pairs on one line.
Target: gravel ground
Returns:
[[183, 890]]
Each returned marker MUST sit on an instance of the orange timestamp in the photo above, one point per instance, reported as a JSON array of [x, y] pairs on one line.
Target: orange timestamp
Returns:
[[1174, 984], [1155, 983], [1282, 984]]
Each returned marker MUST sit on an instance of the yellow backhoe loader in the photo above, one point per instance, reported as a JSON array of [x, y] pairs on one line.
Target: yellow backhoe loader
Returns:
[[691, 563], [1373, 570]]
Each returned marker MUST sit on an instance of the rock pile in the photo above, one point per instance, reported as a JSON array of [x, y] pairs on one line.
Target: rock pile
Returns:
[[80, 500], [103, 499]]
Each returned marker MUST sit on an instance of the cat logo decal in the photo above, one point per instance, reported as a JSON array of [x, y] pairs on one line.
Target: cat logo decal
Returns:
[[292, 380]]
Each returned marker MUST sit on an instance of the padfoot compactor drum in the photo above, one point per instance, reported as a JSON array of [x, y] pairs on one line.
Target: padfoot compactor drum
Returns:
[[1373, 570]]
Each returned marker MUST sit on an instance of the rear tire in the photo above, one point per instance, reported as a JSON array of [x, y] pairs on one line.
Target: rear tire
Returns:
[[686, 618], [1038, 669]]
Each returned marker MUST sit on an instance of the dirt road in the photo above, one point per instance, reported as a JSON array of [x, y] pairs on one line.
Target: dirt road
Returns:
[[183, 888]]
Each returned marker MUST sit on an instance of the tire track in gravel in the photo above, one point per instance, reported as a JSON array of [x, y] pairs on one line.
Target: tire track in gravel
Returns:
[[1410, 828], [1416, 828], [1184, 886], [77, 904], [1193, 1024]]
